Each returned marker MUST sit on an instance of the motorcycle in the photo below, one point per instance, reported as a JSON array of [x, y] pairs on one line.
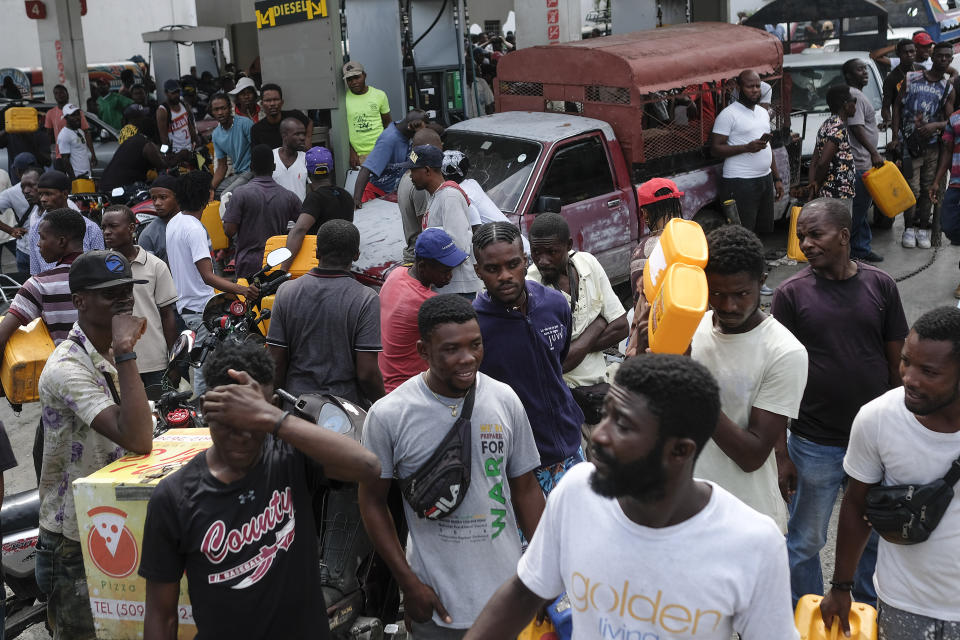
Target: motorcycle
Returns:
[[229, 319], [358, 588], [174, 409], [136, 196], [20, 522]]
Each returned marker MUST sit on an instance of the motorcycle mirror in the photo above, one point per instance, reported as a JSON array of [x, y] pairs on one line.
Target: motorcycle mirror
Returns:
[[183, 345], [164, 148], [278, 257], [117, 192]]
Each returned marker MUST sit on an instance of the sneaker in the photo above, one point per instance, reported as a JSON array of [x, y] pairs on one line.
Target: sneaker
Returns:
[[766, 291], [909, 239], [872, 257], [923, 238]]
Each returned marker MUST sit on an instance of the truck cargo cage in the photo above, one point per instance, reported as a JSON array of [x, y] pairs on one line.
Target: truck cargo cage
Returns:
[[634, 83]]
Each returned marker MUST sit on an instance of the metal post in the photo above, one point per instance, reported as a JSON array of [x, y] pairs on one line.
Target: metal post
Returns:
[[62, 53]]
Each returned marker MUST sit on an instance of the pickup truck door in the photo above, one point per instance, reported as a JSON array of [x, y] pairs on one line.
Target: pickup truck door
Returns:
[[579, 172]]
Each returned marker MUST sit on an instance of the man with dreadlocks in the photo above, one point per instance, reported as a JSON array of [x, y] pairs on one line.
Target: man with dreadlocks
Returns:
[[659, 202], [526, 337]]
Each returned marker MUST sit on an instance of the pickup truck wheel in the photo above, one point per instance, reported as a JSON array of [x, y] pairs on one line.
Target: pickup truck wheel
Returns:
[[709, 219]]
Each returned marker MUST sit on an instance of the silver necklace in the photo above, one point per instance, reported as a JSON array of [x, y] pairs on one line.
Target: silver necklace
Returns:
[[453, 407]]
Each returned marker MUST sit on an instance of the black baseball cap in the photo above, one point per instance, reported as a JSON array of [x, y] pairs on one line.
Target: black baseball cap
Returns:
[[424, 156], [100, 269]]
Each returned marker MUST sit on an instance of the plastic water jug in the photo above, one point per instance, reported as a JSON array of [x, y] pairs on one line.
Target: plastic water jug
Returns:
[[793, 243], [21, 120], [889, 189], [24, 356], [304, 261], [682, 241], [538, 631], [210, 218], [678, 308], [863, 621], [83, 185]]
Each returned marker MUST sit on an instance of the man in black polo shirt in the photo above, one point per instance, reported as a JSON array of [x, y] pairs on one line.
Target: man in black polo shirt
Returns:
[[238, 518]]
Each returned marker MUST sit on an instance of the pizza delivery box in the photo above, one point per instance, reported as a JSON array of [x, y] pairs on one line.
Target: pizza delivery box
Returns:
[[111, 509]]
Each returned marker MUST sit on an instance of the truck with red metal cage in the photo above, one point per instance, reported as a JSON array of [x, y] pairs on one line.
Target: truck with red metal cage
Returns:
[[586, 122]]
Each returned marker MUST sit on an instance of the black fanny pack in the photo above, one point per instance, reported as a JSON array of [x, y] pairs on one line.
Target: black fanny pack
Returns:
[[908, 513], [437, 488]]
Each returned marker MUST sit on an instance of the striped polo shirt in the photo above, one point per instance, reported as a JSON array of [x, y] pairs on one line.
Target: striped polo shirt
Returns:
[[47, 295]]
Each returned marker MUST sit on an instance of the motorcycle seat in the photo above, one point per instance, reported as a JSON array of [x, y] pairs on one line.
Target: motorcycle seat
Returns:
[[20, 511]]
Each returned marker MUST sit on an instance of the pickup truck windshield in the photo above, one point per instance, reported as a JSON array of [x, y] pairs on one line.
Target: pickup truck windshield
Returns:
[[810, 86], [501, 165]]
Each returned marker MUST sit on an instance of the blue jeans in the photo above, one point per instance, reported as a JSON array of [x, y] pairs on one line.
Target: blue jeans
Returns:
[[23, 262], [819, 476], [950, 214], [860, 234]]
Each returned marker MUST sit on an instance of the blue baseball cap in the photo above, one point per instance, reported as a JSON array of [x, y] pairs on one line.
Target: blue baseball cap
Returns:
[[319, 161], [436, 244], [424, 156]]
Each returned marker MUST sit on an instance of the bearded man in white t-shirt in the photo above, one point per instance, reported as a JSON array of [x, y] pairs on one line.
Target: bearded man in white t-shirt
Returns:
[[761, 369], [741, 136], [909, 435], [642, 549]]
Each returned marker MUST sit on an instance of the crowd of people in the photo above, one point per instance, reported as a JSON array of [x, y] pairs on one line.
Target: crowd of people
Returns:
[[667, 496]]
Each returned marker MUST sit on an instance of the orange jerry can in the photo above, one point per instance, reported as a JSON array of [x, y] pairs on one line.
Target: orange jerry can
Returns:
[[863, 621], [24, 357], [793, 243], [305, 259], [210, 218], [889, 189], [678, 309], [21, 120], [682, 241]]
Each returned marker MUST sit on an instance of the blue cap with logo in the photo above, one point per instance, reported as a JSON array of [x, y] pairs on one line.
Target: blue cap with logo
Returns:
[[424, 156], [100, 270], [436, 244]]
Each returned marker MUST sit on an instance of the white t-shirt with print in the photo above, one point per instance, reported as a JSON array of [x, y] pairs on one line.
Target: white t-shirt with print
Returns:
[[73, 142], [293, 178], [765, 368], [742, 125], [724, 570], [187, 243], [888, 445]]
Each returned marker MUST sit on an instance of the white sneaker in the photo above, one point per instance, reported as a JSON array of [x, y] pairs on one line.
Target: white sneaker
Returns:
[[923, 238], [909, 239]]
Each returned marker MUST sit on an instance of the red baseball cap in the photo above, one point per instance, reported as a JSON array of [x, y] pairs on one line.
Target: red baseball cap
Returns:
[[923, 39], [646, 193]]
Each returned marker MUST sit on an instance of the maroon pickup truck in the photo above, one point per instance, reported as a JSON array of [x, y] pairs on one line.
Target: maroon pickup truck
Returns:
[[580, 125]]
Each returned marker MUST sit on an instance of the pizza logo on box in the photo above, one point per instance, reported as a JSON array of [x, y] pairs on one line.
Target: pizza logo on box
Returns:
[[112, 546]]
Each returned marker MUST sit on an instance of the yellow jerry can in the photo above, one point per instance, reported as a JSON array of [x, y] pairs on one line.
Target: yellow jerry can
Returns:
[[678, 309], [214, 225], [305, 259], [863, 621], [682, 241], [21, 120], [24, 357], [793, 243], [889, 189]]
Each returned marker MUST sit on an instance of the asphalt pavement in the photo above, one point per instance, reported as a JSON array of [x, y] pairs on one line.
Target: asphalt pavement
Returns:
[[925, 281]]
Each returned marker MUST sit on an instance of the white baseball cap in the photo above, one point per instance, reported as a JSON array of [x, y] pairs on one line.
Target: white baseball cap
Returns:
[[244, 83], [70, 109]]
